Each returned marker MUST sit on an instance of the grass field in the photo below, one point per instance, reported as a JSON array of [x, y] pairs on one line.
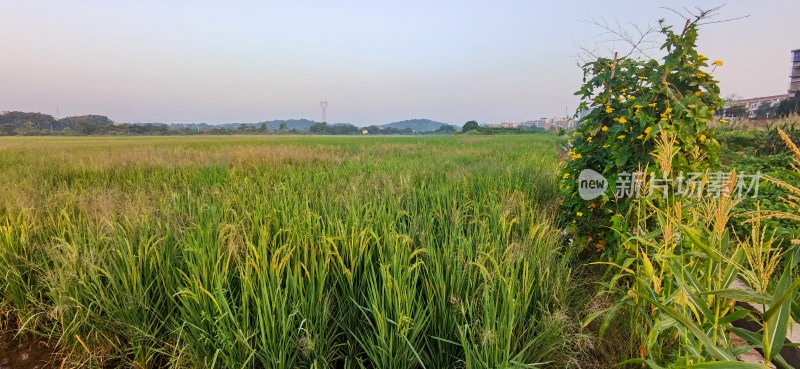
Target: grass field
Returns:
[[280, 252]]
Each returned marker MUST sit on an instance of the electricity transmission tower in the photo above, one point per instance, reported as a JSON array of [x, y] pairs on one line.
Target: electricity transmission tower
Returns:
[[324, 105]]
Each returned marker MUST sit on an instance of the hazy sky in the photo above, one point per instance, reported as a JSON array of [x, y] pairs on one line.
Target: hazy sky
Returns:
[[374, 61]]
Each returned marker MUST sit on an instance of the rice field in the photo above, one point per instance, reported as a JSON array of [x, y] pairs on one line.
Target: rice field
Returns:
[[286, 252]]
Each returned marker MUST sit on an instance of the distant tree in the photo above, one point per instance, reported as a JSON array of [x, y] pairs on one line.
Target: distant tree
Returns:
[[469, 126], [446, 129], [30, 128], [6, 130], [765, 110], [788, 106], [729, 100], [319, 128], [86, 127], [263, 127], [282, 127], [373, 130], [736, 111], [344, 129], [17, 120], [162, 130], [95, 120]]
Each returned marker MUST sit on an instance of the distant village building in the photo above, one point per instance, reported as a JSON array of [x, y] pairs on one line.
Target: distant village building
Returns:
[[754, 103], [504, 125], [794, 81]]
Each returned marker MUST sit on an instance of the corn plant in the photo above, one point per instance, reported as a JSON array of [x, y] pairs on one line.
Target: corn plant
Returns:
[[674, 278]]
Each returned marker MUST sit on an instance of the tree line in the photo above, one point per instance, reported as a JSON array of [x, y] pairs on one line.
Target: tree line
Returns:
[[16, 123]]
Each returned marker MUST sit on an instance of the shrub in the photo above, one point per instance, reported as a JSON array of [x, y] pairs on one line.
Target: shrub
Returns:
[[631, 101], [772, 140]]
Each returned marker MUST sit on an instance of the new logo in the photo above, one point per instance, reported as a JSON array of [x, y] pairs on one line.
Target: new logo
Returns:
[[591, 184]]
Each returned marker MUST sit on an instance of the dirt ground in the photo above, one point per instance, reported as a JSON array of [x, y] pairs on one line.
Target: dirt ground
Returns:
[[26, 352]]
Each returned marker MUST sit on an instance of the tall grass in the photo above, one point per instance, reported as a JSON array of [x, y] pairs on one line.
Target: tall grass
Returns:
[[285, 252]]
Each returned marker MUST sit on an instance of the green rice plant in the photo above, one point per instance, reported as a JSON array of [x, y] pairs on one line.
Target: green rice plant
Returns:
[[310, 252], [394, 316], [497, 330], [21, 268]]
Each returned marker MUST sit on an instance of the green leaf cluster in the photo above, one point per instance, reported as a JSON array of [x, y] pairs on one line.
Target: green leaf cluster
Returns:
[[630, 101]]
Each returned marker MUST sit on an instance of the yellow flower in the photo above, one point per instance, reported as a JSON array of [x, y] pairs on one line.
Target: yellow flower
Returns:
[[642, 77], [570, 140], [640, 136], [631, 97], [702, 138], [647, 130], [605, 128], [623, 120], [606, 146], [652, 105], [621, 136], [579, 214], [717, 63], [637, 106], [574, 133], [589, 139], [701, 75], [623, 90], [609, 109], [566, 175], [701, 57], [723, 121], [577, 156], [669, 110], [698, 93]]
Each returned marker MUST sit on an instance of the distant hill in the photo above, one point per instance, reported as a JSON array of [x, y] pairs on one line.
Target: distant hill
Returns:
[[298, 124], [419, 125], [98, 120], [13, 120], [21, 121]]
